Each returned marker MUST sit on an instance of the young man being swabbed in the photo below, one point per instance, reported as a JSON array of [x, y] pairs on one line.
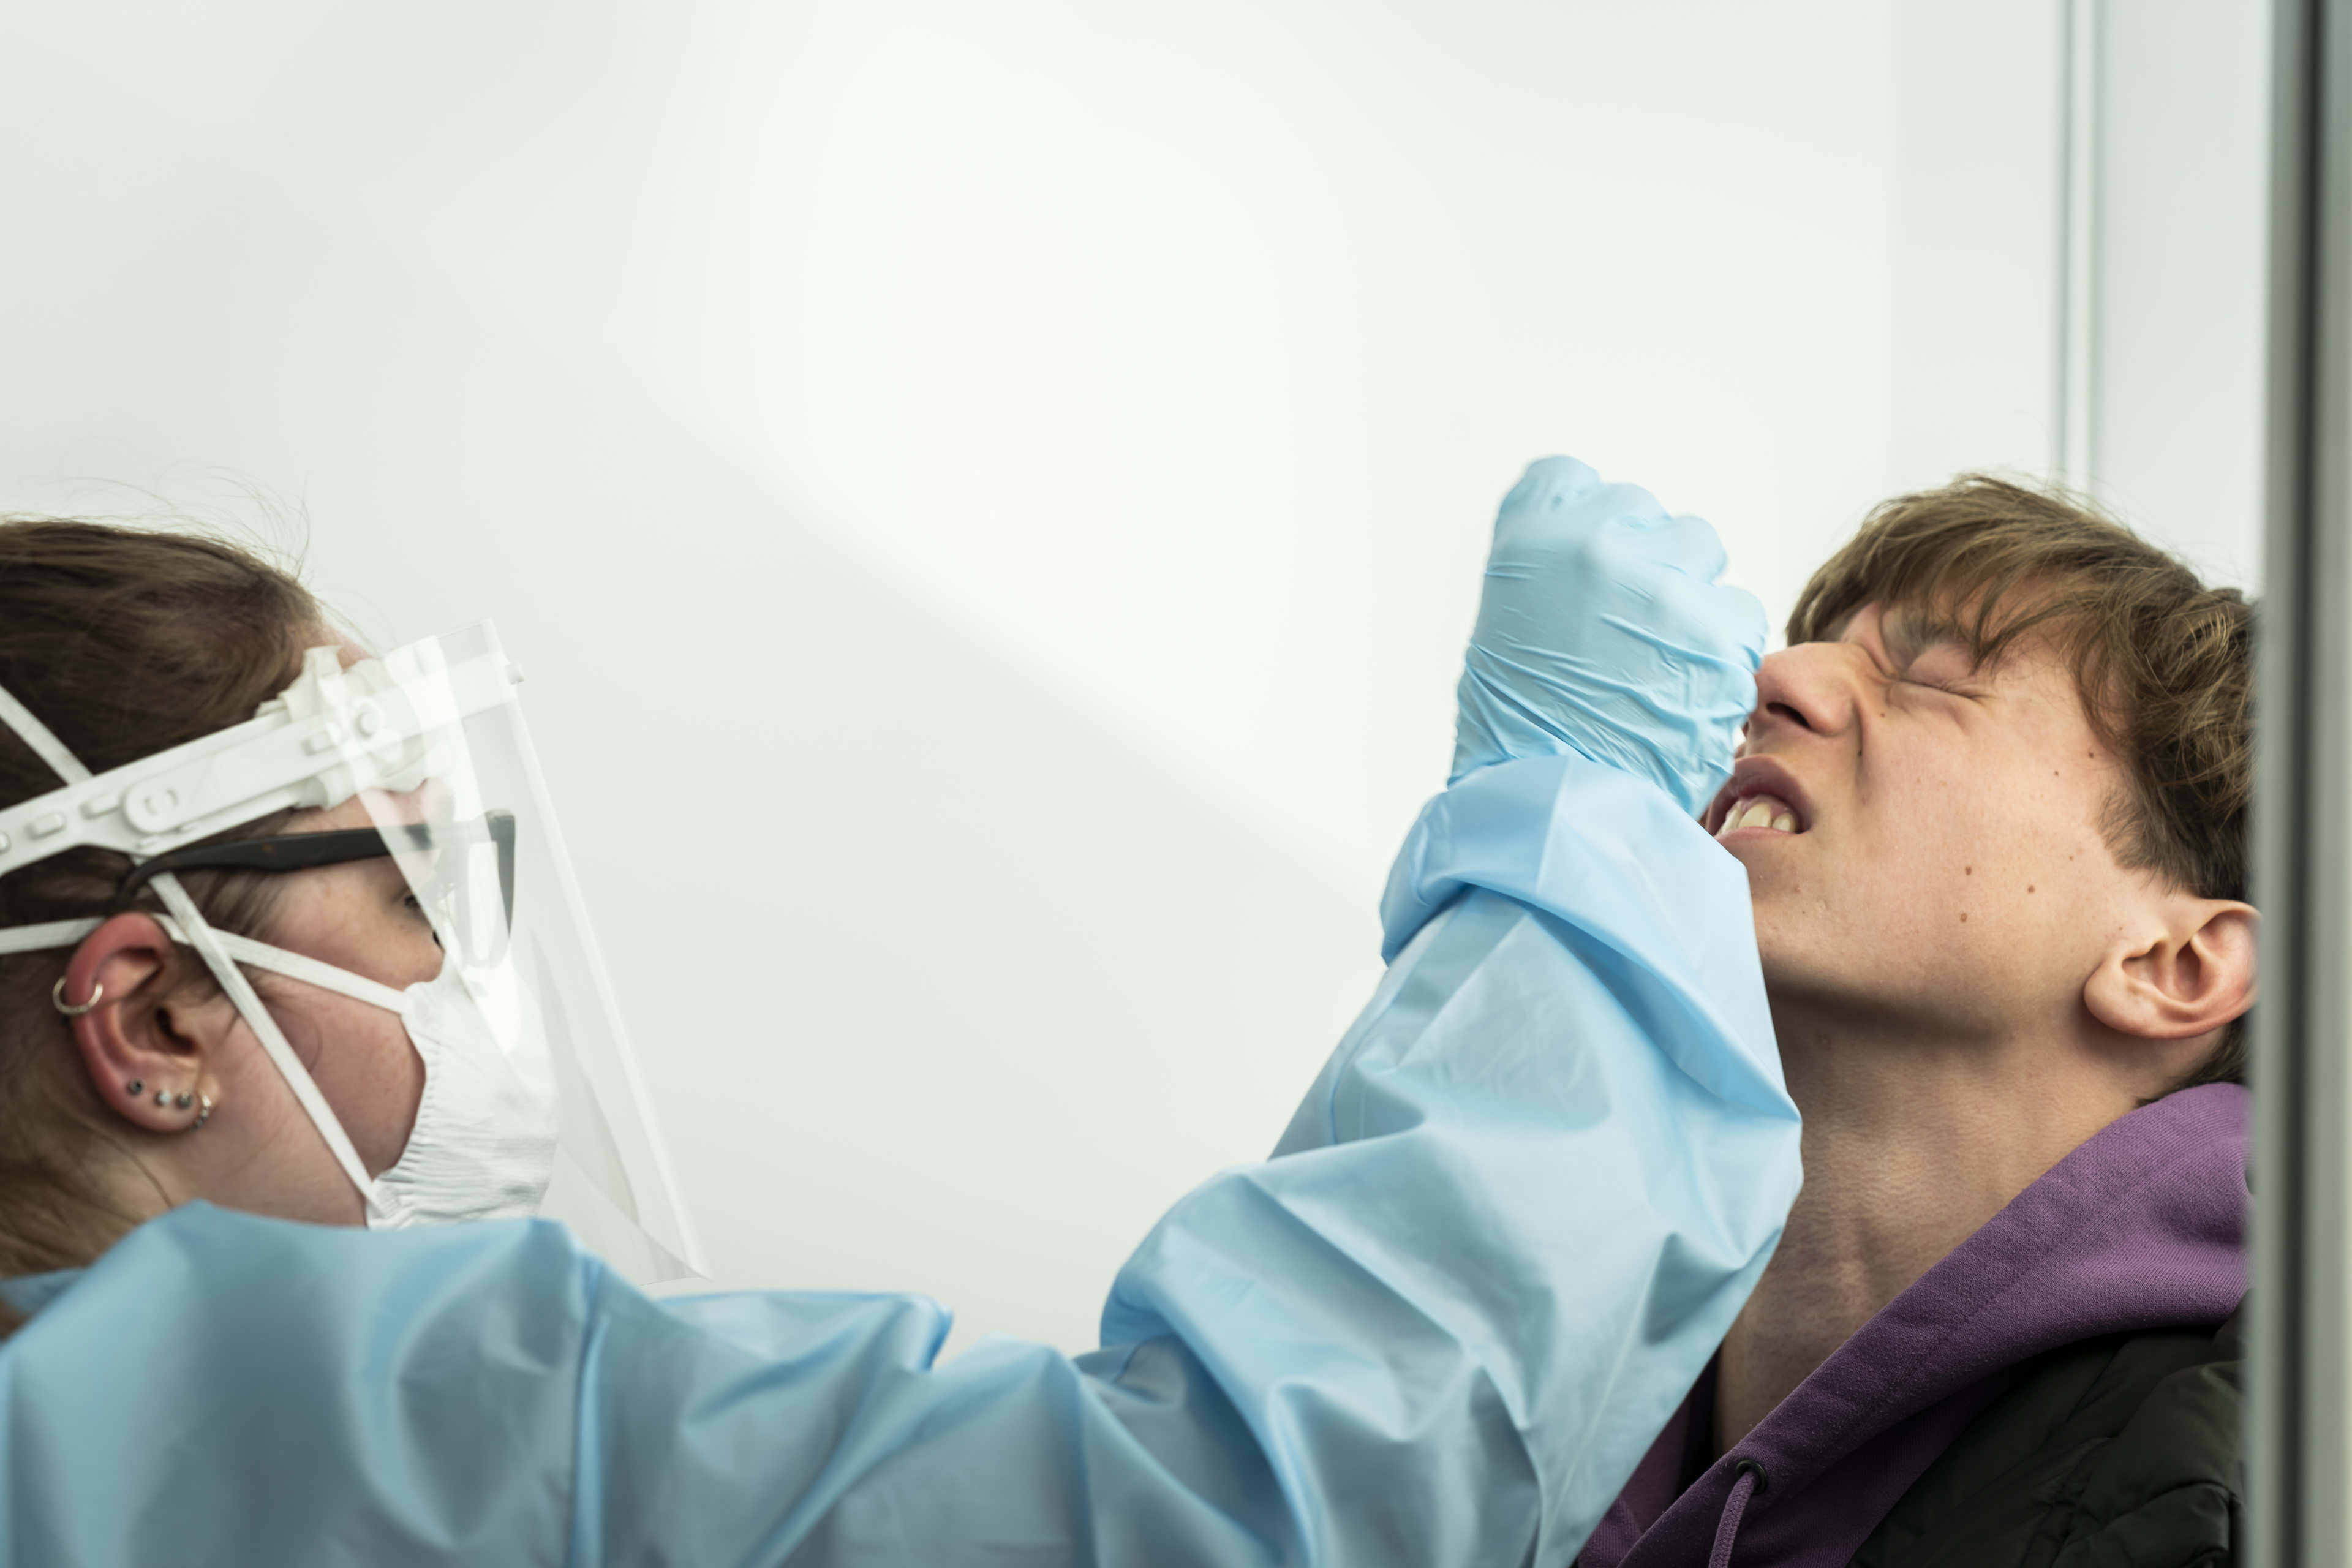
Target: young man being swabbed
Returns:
[[295, 993], [1991, 805]]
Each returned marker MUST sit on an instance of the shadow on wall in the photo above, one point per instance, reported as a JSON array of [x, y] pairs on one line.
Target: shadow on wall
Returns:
[[936, 985]]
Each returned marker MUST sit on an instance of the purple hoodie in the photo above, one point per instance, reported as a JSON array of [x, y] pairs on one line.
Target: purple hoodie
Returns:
[[2143, 1227]]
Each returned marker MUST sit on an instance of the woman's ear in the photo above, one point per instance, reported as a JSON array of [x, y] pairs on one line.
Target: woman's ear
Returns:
[[148, 1041], [2190, 978]]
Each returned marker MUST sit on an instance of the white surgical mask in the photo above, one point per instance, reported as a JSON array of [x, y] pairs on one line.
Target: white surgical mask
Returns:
[[483, 1146]]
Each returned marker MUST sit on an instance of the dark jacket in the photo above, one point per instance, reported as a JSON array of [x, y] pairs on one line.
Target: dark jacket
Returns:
[[2061, 1388]]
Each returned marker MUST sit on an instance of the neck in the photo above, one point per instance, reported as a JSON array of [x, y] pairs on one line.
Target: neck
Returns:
[[1910, 1146]]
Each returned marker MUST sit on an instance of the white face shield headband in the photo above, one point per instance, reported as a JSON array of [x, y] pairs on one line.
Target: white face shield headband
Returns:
[[532, 1099]]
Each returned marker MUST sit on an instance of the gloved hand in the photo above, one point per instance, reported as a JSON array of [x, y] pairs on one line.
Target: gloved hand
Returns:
[[1603, 631]]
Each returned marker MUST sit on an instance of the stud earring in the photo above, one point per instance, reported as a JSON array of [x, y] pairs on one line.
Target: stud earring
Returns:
[[162, 1097], [134, 1089], [182, 1100], [203, 1111]]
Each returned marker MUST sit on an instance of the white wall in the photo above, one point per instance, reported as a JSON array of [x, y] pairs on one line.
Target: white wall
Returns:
[[991, 497], [2179, 132], [1976, 212], [2184, 143]]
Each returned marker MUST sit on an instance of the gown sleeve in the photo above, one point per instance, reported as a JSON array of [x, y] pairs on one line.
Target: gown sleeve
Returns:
[[1498, 1242]]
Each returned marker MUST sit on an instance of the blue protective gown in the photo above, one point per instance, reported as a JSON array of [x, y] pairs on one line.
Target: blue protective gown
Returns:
[[1501, 1237]]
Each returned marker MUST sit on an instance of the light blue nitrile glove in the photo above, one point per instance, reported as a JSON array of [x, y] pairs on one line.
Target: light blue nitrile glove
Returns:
[[1603, 631]]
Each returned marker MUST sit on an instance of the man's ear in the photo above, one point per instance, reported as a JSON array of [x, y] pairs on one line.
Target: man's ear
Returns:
[[147, 1042], [2187, 979]]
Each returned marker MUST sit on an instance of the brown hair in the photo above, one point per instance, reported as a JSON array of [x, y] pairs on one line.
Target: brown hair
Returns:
[[123, 642], [2165, 664]]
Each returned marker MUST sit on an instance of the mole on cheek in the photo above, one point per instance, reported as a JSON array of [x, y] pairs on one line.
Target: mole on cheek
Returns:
[[1968, 871], [2029, 887], [1964, 917]]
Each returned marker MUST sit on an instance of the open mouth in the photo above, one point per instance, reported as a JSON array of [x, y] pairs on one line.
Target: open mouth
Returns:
[[1761, 797], [1765, 811]]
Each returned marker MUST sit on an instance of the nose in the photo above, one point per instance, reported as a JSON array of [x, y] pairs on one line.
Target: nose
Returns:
[[1812, 687]]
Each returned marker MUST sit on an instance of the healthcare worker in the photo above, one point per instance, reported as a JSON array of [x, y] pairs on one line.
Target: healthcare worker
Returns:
[[295, 982]]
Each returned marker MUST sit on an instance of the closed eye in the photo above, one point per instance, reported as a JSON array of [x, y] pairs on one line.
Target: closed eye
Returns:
[[1915, 648], [1944, 666], [1932, 655]]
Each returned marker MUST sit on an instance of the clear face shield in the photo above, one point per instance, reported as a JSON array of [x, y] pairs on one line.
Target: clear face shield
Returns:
[[477, 842], [532, 1100]]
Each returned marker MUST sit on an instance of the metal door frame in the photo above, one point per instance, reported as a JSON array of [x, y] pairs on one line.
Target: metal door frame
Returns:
[[2299, 1436]]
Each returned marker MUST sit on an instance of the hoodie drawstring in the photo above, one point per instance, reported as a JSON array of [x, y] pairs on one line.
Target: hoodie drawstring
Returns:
[[1727, 1529]]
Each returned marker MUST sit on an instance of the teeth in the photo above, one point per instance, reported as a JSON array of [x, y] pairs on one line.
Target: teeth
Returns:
[[1759, 811]]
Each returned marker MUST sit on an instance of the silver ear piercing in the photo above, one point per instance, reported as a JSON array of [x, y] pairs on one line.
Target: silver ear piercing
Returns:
[[177, 1101], [57, 998]]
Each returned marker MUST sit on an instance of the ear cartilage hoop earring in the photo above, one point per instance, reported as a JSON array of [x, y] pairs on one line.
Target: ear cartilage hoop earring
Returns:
[[57, 998], [203, 1111], [135, 1087], [182, 1100]]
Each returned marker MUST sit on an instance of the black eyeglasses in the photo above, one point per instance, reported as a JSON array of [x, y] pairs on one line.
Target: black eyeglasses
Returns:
[[308, 851]]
